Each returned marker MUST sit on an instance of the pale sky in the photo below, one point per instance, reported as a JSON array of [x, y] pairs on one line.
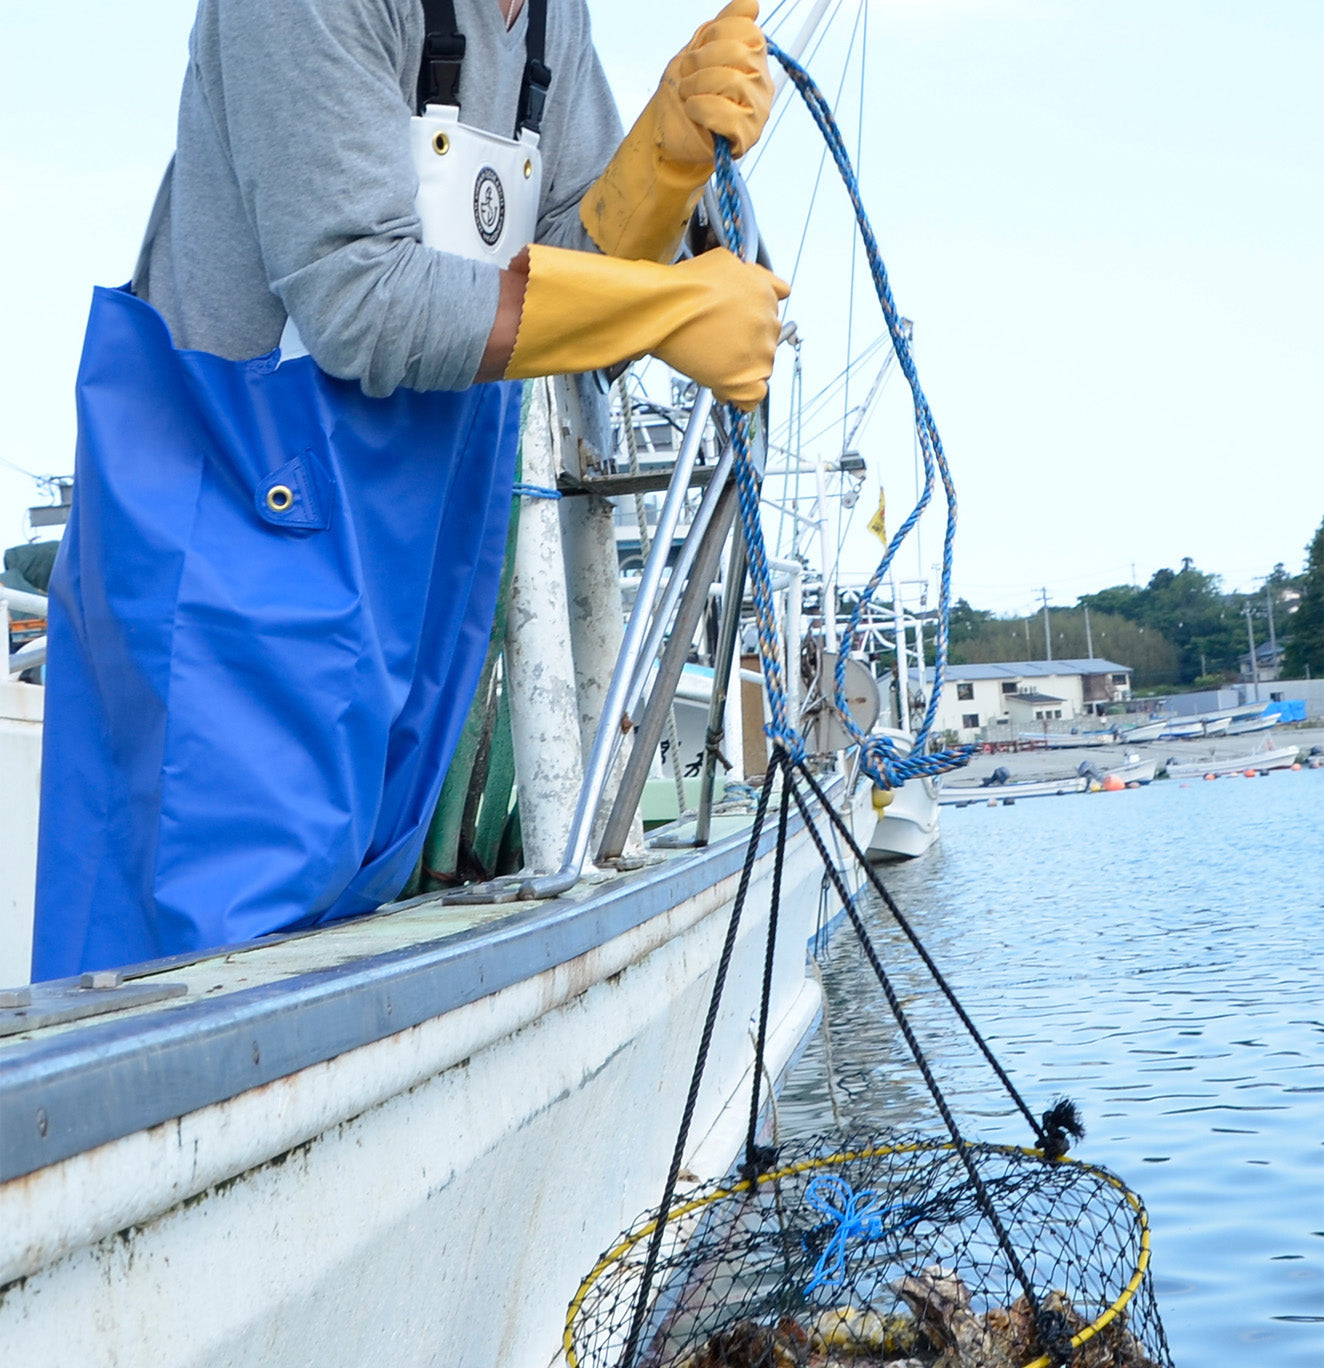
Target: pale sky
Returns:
[[1106, 218]]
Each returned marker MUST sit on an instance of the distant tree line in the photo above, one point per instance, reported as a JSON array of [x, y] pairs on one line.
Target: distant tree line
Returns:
[[1305, 645], [1179, 630]]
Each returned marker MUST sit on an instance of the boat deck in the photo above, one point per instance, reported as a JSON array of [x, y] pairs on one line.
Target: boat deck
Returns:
[[67, 1086]]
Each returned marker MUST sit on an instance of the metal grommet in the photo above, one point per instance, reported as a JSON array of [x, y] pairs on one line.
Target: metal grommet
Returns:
[[528, 168], [279, 498], [441, 143]]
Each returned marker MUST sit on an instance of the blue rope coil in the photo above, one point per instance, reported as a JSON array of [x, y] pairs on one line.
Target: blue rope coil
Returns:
[[533, 491], [880, 758], [856, 1215]]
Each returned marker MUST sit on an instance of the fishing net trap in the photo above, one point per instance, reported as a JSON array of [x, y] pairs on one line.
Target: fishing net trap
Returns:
[[905, 1250], [862, 1252]]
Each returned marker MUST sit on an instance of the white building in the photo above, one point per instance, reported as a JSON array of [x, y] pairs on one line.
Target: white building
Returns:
[[1023, 694]]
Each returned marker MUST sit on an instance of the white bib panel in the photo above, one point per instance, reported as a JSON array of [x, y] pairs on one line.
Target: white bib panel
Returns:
[[477, 193]]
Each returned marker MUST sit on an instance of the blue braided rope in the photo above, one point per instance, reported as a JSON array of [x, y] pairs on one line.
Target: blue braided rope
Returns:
[[533, 491], [879, 758], [780, 728]]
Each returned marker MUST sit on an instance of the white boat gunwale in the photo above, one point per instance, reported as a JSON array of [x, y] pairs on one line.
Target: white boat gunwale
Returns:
[[102, 1079]]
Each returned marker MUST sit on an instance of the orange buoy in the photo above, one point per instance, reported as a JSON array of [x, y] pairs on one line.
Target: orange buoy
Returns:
[[1250, 774], [1211, 776], [1297, 766], [1113, 783]]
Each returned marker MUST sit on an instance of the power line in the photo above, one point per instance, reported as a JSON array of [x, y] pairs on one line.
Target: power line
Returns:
[[4, 460]]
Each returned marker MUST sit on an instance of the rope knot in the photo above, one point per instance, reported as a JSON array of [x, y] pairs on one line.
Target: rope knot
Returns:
[[1060, 1120], [1054, 1337], [759, 1159], [881, 761], [850, 1216]]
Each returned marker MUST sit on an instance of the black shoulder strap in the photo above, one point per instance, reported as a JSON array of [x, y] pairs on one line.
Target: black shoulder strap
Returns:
[[537, 75], [443, 57], [443, 54]]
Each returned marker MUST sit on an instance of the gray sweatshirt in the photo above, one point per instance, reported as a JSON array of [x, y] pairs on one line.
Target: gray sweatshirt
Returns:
[[292, 188]]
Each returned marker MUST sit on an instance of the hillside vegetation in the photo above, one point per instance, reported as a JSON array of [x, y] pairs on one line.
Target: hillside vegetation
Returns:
[[1179, 630]]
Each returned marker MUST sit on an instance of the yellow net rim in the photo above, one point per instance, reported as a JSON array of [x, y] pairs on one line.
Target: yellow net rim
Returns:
[[1110, 1314]]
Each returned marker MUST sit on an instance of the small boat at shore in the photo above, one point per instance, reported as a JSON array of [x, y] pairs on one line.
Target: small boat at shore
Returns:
[[1245, 717], [1146, 731], [1134, 771], [1241, 726], [962, 795], [1068, 740], [1259, 762], [1087, 777]]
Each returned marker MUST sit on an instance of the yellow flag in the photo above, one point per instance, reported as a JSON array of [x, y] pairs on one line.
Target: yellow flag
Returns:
[[878, 523]]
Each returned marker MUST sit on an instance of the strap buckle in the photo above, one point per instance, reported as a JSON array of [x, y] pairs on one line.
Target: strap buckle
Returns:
[[439, 73], [533, 94]]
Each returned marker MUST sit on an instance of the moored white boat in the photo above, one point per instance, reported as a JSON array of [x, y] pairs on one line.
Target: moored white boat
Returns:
[[1134, 771], [1182, 731], [908, 822], [1146, 731], [962, 795], [1240, 726], [1259, 762]]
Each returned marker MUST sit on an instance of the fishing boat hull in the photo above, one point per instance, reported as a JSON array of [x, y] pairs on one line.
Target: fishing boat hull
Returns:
[[1260, 762], [1147, 731], [962, 795], [908, 826], [1134, 772], [399, 1141], [908, 823], [1243, 726]]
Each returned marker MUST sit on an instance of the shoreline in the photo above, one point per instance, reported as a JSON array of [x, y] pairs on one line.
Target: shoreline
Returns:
[[1058, 764]]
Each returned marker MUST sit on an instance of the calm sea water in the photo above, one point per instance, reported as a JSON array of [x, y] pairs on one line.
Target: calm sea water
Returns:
[[1157, 955]]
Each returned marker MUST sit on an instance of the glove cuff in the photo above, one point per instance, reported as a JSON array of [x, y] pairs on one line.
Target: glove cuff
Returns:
[[583, 311]]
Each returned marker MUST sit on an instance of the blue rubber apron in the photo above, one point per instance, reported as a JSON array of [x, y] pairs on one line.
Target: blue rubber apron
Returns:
[[267, 621]]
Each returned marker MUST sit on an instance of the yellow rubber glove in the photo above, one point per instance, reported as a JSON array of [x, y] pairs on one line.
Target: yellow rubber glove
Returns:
[[713, 317], [718, 83]]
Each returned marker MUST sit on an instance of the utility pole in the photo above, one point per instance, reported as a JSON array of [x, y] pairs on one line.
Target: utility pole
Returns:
[[1089, 640], [1254, 669], [1048, 640], [1273, 640]]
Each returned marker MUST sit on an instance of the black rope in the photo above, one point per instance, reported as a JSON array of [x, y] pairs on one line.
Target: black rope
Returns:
[[1057, 1123], [903, 922], [700, 1063], [898, 1012], [760, 1158]]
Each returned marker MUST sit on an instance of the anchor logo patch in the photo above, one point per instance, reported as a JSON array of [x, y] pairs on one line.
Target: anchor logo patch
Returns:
[[489, 205]]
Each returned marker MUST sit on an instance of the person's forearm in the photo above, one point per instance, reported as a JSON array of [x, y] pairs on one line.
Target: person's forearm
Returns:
[[510, 305]]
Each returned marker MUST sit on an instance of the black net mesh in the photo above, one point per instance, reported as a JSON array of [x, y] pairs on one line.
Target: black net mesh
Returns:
[[863, 1252]]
